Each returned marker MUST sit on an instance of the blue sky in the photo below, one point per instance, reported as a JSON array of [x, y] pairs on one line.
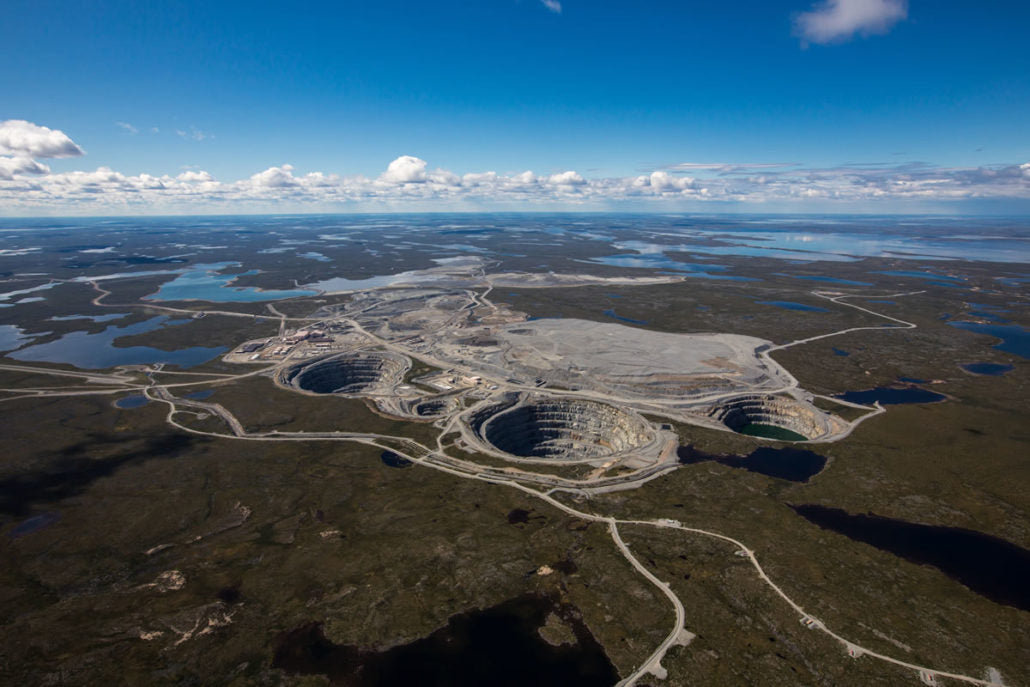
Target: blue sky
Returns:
[[609, 90]]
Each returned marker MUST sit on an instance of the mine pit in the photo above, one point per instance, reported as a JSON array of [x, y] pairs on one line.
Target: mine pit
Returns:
[[351, 373], [775, 417], [564, 430]]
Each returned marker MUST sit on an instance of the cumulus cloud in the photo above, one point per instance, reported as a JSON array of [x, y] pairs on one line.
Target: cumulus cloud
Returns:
[[552, 5], [274, 177], [25, 139], [837, 20], [569, 178], [27, 186], [9, 166], [405, 170], [128, 127], [195, 175]]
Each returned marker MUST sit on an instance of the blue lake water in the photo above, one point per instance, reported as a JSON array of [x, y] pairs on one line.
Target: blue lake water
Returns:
[[200, 395], [791, 305], [991, 369], [204, 283], [843, 245], [660, 261], [841, 352], [12, 336], [834, 280], [132, 401], [917, 275], [97, 351], [1014, 338], [985, 315], [611, 313], [792, 464]]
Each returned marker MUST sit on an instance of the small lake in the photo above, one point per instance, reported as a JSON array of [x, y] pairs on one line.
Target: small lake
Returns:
[[991, 567], [660, 261], [612, 314], [891, 396], [918, 275], [391, 459], [97, 351], [1014, 338], [832, 280], [990, 369], [793, 464], [499, 647], [133, 401], [204, 283], [791, 305]]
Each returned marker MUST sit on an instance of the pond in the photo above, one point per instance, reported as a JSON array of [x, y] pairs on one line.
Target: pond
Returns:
[[791, 305], [132, 401], [612, 314], [990, 369], [391, 459], [795, 465]]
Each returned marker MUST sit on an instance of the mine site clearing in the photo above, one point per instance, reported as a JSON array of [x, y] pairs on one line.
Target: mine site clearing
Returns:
[[553, 391]]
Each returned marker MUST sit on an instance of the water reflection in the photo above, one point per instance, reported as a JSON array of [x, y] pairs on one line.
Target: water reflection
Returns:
[[796, 465], [1014, 338], [204, 283], [97, 351]]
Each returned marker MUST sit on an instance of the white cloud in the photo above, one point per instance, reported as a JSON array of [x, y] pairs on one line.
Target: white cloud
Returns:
[[9, 166], [194, 134], [274, 177], [27, 187], [128, 127], [837, 20], [25, 139], [195, 175], [569, 178], [552, 5], [405, 170]]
